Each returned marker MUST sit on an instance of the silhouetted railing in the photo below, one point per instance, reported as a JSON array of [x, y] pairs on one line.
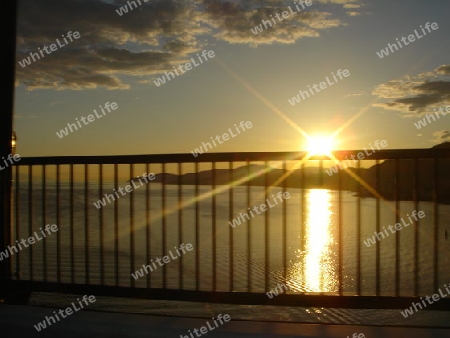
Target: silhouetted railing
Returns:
[[195, 199]]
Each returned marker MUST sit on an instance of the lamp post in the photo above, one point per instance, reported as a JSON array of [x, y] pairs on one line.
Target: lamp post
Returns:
[[6, 122]]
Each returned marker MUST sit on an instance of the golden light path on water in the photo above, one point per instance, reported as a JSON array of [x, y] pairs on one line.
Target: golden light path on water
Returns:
[[318, 260]]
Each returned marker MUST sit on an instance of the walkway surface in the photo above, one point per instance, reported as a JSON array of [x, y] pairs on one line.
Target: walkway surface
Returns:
[[18, 321]]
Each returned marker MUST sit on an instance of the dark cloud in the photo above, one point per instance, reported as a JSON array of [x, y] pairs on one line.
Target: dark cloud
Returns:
[[441, 88], [416, 95], [147, 40], [143, 42], [418, 102]]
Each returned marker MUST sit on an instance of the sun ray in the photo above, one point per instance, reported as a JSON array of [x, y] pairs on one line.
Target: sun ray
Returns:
[[262, 98], [366, 185], [208, 194], [324, 149], [304, 133]]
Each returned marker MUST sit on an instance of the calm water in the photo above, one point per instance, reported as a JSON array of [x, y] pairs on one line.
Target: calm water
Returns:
[[312, 256]]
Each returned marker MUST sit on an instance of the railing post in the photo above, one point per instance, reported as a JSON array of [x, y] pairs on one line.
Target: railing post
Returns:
[[6, 119]]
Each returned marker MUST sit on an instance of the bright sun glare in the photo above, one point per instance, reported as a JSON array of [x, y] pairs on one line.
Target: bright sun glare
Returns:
[[320, 145]]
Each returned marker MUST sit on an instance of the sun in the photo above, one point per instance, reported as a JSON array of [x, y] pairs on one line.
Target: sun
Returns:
[[320, 145]]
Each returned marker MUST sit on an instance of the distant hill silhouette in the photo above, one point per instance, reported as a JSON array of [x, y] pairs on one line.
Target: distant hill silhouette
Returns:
[[425, 178], [315, 178]]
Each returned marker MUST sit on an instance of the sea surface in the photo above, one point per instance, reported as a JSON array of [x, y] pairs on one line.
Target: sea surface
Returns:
[[313, 233]]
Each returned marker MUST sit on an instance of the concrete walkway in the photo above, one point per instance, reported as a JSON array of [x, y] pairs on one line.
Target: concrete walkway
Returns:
[[18, 321]]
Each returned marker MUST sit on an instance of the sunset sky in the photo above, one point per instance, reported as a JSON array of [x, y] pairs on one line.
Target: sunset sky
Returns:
[[251, 77]]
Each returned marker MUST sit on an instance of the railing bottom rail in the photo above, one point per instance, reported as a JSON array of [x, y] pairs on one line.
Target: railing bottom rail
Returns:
[[244, 298]]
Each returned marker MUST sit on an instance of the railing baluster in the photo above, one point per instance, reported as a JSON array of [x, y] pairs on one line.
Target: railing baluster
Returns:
[[87, 259], [72, 224], [397, 233], [164, 222], [214, 230], [266, 230], [30, 216], [132, 228], [116, 226], [17, 218], [249, 233], [58, 222], [416, 231], [340, 234], [44, 211], [377, 258], [230, 229], [102, 226], [284, 226], [180, 222], [303, 224], [358, 235], [148, 228], [436, 224], [197, 231]]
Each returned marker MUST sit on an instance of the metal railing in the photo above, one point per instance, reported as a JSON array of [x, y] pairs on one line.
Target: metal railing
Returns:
[[195, 198]]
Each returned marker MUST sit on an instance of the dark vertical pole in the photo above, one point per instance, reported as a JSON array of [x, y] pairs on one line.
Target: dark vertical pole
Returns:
[[377, 258], [132, 228], [102, 226], [416, 231], [214, 230], [43, 211], [321, 173], [58, 222], [358, 235], [266, 230], [340, 234], [30, 216], [72, 229], [180, 222], [6, 122], [197, 231], [17, 217], [148, 230], [116, 226], [303, 224], [284, 227], [164, 222], [230, 229], [397, 233], [86, 223], [249, 234], [436, 223]]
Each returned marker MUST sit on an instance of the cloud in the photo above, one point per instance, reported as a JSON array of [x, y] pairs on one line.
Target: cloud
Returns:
[[443, 70], [351, 6], [355, 94], [441, 136], [115, 52], [416, 95], [141, 43]]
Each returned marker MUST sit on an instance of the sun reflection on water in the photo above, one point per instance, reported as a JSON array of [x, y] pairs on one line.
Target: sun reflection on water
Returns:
[[316, 267]]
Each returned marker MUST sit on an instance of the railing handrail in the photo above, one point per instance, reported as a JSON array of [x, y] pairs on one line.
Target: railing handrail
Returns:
[[235, 157]]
